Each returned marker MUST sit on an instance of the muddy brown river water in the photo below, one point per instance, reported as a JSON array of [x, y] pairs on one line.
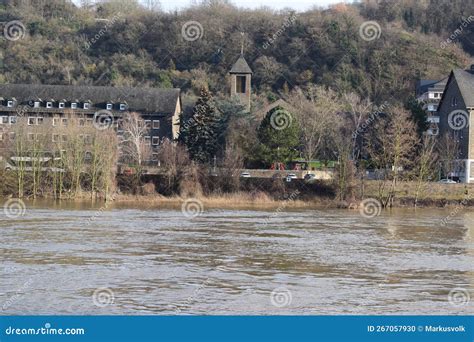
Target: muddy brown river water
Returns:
[[77, 259]]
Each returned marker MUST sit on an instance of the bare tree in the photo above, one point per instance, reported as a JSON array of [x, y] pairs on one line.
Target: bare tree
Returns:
[[134, 144], [315, 111], [448, 151], [424, 166]]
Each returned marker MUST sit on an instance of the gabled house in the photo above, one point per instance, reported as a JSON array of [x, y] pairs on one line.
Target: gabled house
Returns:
[[456, 113]]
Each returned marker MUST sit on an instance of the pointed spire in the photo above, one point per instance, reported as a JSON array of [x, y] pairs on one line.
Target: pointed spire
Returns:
[[242, 47]]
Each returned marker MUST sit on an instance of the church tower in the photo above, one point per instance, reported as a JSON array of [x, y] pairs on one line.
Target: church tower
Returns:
[[241, 81]]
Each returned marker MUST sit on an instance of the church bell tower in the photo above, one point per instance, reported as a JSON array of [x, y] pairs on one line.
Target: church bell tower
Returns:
[[241, 81]]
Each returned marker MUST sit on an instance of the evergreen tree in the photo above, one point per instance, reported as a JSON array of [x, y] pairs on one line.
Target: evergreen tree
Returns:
[[200, 133], [279, 137], [418, 115]]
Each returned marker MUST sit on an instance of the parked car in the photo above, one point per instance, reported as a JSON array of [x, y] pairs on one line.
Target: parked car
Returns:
[[447, 181], [292, 176], [309, 176], [245, 175]]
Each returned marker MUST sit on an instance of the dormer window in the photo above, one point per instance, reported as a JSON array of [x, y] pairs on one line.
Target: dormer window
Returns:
[[86, 105], [73, 105], [10, 103], [62, 104], [36, 104], [123, 106], [109, 106], [49, 104]]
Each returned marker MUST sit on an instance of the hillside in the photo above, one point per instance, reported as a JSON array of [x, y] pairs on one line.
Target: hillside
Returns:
[[122, 43]]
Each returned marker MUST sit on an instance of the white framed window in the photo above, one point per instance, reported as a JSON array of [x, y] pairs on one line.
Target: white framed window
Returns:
[[109, 106], [39, 120], [123, 106], [49, 104], [73, 105], [55, 138], [3, 120], [86, 105], [37, 104], [31, 121], [12, 120], [55, 121], [156, 124], [61, 105], [155, 141], [148, 124], [10, 104], [147, 140]]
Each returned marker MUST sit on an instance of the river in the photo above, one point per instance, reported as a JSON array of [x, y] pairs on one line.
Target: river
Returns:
[[78, 259]]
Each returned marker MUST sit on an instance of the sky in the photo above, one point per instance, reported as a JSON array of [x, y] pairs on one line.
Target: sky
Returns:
[[299, 5]]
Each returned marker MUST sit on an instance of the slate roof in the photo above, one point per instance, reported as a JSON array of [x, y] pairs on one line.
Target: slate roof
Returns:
[[149, 100], [465, 81], [241, 67], [422, 86]]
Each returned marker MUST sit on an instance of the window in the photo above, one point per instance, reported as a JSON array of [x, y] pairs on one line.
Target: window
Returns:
[[64, 137], [31, 137], [73, 105], [241, 84], [49, 104], [9, 103], [12, 136], [39, 120], [148, 124], [87, 105], [147, 140], [12, 120], [64, 121], [89, 122], [109, 106], [55, 137], [156, 124], [88, 155], [454, 101], [37, 104], [123, 106], [31, 121], [3, 120], [82, 122], [61, 104], [155, 141], [55, 121], [88, 139]]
